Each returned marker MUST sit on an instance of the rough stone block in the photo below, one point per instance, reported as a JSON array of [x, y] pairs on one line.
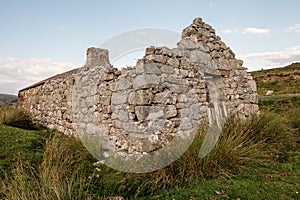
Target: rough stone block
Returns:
[[145, 81], [170, 111], [119, 98], [142, 112], [140, 97]]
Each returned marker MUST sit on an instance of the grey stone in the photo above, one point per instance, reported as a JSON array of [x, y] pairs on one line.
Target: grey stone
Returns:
[[195, 111], [184, 112], [187, 44], [166, 51], [108, 77], [167, 69], [140, 97], [185, 124], [198, 56], [119, 98], [252, 85], [182, 98], [165, 97], [173, 62], [157, 58], [254, 98], [142, 112], [145, 81], [140, 69], [155, 113], [156, 125], [123, 115], [177, 89], [97, 56], [175, 80], [152, 68], [133, 127], [123, 84], [269, 92], [170, 111]]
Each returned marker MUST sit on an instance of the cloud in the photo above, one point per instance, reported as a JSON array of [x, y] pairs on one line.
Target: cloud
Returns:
[[295, 28], [17, 73], [227, 31], [274, 58], [256, 31]]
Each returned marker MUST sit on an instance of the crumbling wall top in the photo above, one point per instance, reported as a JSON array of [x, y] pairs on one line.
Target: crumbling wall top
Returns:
[[97, 57]]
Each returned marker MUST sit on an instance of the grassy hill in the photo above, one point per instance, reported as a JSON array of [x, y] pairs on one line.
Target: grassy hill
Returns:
[[285, 80], [8, 99]]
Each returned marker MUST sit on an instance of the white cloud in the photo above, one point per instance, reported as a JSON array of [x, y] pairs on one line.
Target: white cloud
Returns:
[[272, 58], [295, 28], [17, 73], [227, 31], [256, 31]]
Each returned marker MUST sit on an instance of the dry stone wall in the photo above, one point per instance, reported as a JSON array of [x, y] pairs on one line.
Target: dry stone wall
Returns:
[[50, 102], [140, 109]]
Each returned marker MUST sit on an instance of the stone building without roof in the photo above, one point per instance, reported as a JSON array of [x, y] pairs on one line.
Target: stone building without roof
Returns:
[[141, 108]]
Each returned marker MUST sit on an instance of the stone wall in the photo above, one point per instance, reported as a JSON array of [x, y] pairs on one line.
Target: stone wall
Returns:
[[140, 109], [50, 101]]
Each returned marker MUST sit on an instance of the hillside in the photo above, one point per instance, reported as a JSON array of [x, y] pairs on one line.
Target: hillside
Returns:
[[8, 99], [285, 80]]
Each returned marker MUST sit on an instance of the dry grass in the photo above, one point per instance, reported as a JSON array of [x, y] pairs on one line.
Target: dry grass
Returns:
[[60, 176], [245, 146], [11, 116]]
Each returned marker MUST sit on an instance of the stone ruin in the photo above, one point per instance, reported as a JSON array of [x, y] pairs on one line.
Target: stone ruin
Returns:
[[140, 109]]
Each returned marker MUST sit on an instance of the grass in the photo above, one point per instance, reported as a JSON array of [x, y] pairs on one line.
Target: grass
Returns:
[[280, 185], [280, 80], [254, 159], [20, 145], [244, 150], [60, 175], [11, 116], [280, 104]]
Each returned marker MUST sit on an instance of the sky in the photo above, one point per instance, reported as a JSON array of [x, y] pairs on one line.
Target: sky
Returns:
[[41, 38]]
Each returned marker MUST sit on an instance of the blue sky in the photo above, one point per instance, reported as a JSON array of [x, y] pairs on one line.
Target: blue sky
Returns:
[[40, 38]]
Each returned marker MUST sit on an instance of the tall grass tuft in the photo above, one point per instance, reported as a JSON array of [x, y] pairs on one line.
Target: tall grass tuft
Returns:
[[245, 146], [61, 175], [294, 117], [11, 116]]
